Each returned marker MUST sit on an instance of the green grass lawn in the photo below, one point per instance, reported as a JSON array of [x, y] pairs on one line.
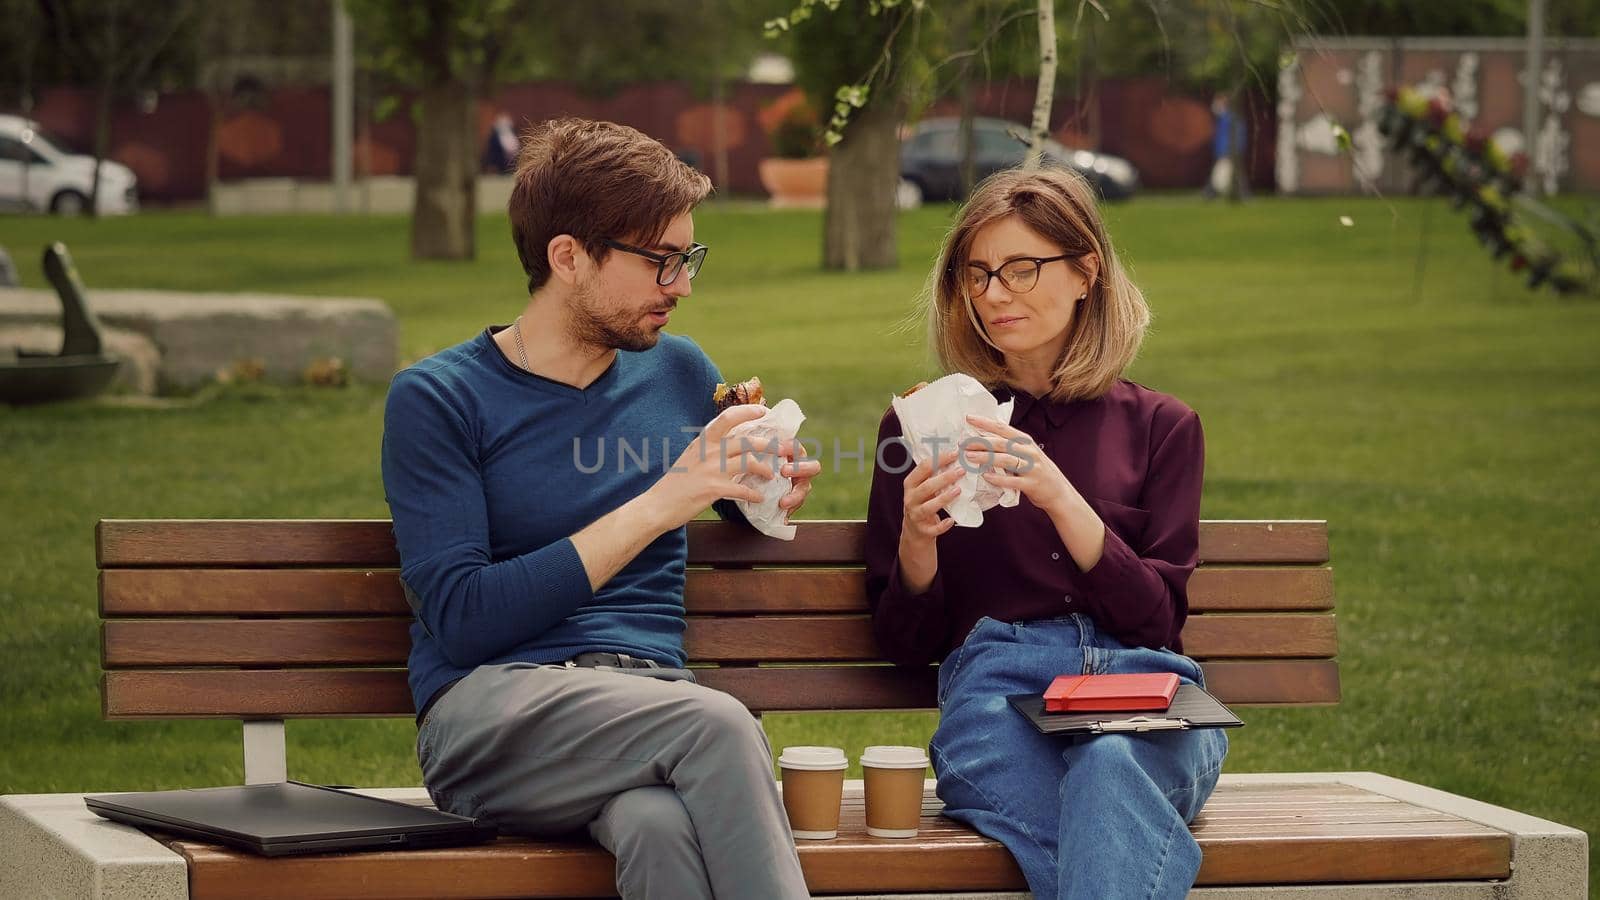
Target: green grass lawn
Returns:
[[1448, 436]]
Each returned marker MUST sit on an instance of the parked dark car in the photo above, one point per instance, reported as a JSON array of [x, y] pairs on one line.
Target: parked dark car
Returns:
[[930, 160]]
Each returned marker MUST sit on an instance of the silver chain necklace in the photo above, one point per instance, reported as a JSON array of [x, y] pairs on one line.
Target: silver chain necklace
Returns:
[[516, 335]]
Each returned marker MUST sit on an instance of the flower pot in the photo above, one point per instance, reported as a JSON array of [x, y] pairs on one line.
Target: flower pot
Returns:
[[795, 182]]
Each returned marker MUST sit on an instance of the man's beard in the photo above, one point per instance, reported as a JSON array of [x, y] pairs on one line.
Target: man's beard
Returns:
[[609, 326]]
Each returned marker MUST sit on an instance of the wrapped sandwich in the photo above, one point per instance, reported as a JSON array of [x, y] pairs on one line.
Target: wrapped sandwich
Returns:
[[779, 424], [727, 395]]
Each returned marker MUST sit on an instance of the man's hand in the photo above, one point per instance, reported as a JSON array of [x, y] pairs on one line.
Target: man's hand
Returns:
[[798, 470], [704, 473]]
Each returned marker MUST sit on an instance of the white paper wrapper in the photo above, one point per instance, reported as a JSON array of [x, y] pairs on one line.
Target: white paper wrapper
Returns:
[[937, 416], [781, 423]]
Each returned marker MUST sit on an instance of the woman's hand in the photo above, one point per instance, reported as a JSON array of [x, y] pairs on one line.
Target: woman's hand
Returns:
[[927, 488], [799, 471], [1018, 462], [927, 492], [1012, 459]]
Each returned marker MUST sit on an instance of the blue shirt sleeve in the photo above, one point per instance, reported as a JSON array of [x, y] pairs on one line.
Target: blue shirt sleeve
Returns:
[[474, 607]]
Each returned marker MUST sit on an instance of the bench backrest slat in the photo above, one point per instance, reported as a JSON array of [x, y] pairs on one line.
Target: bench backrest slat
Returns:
[[377, 592], [353, 693], [369, 543], [134, 643], [290, 618]]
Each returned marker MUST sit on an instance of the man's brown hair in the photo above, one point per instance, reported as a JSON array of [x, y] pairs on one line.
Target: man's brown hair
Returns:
[[595, 181]]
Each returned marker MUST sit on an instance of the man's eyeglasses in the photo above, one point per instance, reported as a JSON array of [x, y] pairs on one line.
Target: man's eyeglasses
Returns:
[[668, 265], [1018, 275]]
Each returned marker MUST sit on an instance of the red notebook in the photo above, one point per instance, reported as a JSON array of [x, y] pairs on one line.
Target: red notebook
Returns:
[[1111, 693]]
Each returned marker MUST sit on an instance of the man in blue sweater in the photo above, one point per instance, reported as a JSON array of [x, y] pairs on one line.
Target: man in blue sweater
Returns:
[[540, 476]]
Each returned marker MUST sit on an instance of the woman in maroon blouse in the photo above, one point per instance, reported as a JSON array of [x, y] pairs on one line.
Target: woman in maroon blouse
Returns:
[[1086, 574]]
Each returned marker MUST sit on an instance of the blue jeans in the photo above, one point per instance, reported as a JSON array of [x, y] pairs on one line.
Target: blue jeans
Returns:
[[1092, 817]]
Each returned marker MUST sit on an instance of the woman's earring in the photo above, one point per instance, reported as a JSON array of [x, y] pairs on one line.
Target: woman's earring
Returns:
[[1083, 296]]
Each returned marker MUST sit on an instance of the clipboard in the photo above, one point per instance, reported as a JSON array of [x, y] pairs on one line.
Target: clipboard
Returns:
[[1191, 708]]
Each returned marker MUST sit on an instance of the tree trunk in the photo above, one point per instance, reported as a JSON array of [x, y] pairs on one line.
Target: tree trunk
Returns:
[[964, 143], [965, 28], [214, 101], [102, 137], [444, 212], [1089, 86], [1235, 157], [719, 135], [1045, 96], [858, 229]]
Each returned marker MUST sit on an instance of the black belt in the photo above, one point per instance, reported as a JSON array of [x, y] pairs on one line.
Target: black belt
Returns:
[[590, 660], [612, 660], [437, 696]]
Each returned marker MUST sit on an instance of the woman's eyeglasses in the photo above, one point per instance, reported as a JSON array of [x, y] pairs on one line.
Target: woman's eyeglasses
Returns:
[[1018, 275], [668, 265]]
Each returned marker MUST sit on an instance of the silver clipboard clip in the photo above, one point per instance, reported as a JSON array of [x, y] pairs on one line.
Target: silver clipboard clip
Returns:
[[1140, 723]]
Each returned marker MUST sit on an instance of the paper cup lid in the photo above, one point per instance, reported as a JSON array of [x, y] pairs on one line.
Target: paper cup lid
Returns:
[[813, 758], [894, 757]]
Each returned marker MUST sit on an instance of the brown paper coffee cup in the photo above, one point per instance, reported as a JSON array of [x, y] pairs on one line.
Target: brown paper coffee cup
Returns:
[[813, 786], [893, 778]]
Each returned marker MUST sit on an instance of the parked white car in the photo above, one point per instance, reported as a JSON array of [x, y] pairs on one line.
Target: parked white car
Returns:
[[36, 174]]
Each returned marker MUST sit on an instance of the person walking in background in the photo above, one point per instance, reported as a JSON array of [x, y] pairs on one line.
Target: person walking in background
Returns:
[[1227, 149], [500, 149]]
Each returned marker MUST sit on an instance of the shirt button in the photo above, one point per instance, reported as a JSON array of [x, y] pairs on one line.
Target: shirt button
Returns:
[[1055, 556]]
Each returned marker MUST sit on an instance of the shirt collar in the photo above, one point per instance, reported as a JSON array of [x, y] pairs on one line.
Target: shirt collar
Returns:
[[1055, 411]]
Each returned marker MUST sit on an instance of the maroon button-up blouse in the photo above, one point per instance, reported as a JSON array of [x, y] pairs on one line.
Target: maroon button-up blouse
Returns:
[[1136, 455]]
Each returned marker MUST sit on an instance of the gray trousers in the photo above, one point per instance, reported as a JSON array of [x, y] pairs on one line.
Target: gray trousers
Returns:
[[673, 778]]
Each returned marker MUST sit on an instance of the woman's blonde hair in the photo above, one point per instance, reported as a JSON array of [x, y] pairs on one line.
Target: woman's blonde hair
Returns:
[[1108, 326]]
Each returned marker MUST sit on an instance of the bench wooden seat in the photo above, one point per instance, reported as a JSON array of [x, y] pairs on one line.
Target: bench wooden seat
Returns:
[[268, 620], [1250, 834]]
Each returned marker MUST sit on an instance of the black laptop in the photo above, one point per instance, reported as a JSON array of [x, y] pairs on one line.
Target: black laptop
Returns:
[[289, 817]]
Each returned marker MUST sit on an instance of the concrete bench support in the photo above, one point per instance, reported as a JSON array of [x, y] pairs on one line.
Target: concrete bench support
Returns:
[[53, 848], [265, 752]]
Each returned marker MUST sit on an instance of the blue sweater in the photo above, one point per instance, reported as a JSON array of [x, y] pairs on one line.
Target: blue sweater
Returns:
[[489, 470]]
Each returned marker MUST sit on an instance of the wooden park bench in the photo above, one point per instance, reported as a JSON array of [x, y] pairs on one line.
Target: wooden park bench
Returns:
[[269, 620]]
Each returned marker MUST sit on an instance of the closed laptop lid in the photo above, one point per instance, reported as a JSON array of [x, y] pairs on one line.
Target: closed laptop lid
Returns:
[[280, 812]]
